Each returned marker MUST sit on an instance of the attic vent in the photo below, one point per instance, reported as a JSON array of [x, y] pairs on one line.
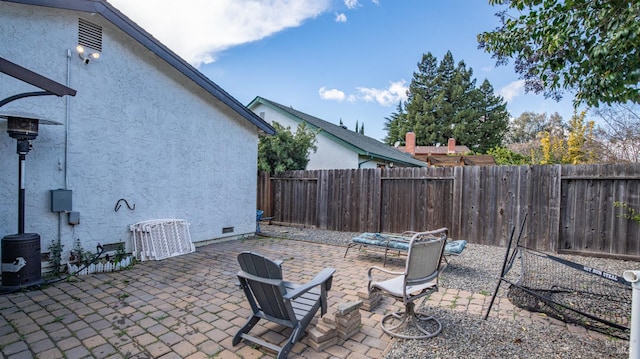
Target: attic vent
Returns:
[[89, 35]]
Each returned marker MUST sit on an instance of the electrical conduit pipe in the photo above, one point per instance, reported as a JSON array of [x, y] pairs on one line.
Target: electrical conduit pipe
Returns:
[[634, 341]]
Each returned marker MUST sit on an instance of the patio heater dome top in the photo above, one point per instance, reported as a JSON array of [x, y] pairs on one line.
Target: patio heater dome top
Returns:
[[5, 115], [22, 125]]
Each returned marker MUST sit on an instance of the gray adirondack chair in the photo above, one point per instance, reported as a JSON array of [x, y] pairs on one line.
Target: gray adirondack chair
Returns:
[[419, 279], [285, 303]]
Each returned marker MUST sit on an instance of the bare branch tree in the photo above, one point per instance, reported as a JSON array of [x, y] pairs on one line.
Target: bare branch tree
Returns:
[[619, 134]]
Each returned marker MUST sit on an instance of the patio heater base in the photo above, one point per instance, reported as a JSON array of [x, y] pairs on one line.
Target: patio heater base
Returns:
[[21, 262]]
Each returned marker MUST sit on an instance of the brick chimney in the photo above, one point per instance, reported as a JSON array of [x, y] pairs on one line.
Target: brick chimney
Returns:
[[410, 143], [451, 146]]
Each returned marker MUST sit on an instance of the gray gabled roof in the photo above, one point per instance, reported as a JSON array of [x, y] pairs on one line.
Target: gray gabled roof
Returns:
[[363, 145], [125, 24]]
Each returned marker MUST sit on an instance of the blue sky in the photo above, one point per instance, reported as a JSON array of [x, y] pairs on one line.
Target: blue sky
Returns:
[[333, 59]]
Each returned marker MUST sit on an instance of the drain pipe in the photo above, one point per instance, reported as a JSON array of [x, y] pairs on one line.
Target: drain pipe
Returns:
[[66, 123], [363, 162], [633, 277]]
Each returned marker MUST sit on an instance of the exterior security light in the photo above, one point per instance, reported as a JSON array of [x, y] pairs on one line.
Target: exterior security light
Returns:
[[85, 55]]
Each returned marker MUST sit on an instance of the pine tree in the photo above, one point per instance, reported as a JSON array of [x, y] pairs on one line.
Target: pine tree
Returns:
[[444, 103], [396, 126], [491, 126]]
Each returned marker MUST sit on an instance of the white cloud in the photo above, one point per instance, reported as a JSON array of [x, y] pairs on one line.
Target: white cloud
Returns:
[[351, 4], [392, 95], [341, 17], [332, 94], [512, 90], [198, 30]]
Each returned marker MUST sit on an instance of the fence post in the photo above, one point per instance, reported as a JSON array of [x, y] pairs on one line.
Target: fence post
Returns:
[[634, 343]]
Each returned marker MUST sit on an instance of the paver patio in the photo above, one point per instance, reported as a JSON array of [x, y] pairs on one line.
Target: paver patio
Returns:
[[191, 306]]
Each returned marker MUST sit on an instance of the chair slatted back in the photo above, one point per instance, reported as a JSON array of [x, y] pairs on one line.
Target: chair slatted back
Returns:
[[255, 264], [268, 290], [423, 259]]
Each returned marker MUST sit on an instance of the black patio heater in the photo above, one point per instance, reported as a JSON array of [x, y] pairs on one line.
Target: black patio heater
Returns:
[[21, 263]]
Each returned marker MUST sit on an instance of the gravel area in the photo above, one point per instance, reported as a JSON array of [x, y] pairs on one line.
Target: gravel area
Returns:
[[477, 271]]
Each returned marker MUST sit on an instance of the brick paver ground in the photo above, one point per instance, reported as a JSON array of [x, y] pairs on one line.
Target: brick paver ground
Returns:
[[191, 306]]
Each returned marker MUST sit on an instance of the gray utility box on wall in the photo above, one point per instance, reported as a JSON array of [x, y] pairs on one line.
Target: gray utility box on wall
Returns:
[[74, 218], [61, 200]]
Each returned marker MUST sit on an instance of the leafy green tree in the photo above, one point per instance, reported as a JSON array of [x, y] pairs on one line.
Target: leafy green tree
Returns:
[[571, 144], [443, 102], [525, 132], [526, 127], [504, 156], [586, 46], [285, 150]]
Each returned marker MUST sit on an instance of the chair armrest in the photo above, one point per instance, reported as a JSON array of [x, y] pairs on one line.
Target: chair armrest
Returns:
[[382, 270], [243, 274], [324, 277]]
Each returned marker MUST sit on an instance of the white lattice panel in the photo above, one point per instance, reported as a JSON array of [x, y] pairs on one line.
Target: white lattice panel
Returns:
[[160, 239]]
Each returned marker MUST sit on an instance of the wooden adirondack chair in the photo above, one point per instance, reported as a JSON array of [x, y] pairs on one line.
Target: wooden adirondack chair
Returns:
[[278, 301]]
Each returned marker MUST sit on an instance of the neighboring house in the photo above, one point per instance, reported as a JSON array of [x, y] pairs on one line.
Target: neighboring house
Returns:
[[422, 152], [338, 147], [444, 156], [144, 126]]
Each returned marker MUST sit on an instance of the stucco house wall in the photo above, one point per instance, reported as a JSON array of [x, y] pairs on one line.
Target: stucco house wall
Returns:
[[138, 129]]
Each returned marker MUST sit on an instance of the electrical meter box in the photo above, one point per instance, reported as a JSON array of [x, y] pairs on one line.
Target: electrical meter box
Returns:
[[61, 200]]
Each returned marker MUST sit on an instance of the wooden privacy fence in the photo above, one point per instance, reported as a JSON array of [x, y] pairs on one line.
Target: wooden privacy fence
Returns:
[[570, 209]]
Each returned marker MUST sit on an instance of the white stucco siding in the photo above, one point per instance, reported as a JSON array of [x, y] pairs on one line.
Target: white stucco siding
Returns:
[[330, 155], [137, 130]]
